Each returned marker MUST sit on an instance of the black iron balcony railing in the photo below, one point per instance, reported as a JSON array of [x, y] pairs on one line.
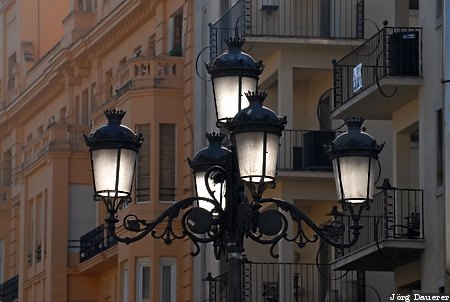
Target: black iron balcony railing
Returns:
[[303, 150], [393, 214], [289, 18], [10, 290], [279, 282], [95, 242], [392, 52]]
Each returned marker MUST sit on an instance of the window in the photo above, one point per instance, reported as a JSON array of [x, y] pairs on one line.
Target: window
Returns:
[[87, 5], [12, 60], [143, 280], [176, 34], [167, 189], [439, 9], [142, 191], [151, 47], [92, 97], [122, 62], [1, 261], [84, 110], [108, 84], [439, 149], [168, 273], [324, 109], [137, 51], [39, 228], [125, 282], [414, 4], [6, 169]]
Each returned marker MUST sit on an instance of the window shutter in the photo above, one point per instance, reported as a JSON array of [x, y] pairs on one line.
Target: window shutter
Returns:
[[167, 188], [142, 190]]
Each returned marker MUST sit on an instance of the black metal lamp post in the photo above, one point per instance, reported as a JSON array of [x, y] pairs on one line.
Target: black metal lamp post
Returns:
[[221, 213]]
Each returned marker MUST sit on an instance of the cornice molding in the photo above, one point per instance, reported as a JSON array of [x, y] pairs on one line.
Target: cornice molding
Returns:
[[123, 24], [71, 64]]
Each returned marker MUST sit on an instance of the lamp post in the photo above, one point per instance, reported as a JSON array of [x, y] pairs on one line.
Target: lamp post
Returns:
[[221, 212]]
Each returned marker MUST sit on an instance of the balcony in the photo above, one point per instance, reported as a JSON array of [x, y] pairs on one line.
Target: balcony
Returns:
[[340, 19], [379, 76], [95, 242], [10, 290], [143, 72], [392, 235], [276, 282], [302, 150]]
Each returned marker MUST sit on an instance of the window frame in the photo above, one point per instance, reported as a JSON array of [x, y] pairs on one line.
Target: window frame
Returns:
[[142, 263], [172, 263]]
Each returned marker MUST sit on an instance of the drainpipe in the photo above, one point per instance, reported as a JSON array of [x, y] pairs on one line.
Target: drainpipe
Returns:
[[446, 133]]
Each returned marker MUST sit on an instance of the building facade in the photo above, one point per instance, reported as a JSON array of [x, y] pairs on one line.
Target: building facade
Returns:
[[324, 61], [63, 63]]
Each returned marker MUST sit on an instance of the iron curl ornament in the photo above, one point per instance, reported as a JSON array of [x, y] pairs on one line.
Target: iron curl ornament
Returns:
[[264, 221]]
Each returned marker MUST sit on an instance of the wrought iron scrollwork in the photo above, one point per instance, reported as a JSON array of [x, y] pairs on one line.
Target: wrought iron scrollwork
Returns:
[[200, 225], [271, 226]]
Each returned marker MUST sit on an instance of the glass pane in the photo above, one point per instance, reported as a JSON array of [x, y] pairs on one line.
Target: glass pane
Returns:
[[249, 147], [105, 166], [166, 287], [273, 145], [226, 90], [354, 178], [127, 164], [125, 285], [105, 170], [146, 282], [218, 189]]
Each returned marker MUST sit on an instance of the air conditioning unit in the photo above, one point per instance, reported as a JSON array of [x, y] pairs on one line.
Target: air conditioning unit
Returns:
[[314, 155], [269, 5], [270, 292], [403, 53]]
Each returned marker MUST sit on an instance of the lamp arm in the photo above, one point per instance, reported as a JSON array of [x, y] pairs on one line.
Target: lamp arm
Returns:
[[190, 216], [259, 231]]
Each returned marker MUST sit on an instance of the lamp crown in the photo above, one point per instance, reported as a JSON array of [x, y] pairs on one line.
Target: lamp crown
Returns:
[[354, 142], [235, 42], [354, 122], [214, 154], [256, 96], [114, 135], [256, 116], [114, 116], [235, 61], [215, 138]]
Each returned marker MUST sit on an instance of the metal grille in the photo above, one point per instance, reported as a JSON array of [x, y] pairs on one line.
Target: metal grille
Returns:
[[393, 214], [342, 19], [393, 51], [292, 282]]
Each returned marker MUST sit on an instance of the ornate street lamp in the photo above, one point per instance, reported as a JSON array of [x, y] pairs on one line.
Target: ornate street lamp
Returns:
[[354, 155], [233, 73], [256, 132], [113, 149], [221, 212]]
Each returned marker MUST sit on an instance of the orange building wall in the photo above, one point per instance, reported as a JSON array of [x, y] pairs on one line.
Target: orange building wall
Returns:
[[41, 127]]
